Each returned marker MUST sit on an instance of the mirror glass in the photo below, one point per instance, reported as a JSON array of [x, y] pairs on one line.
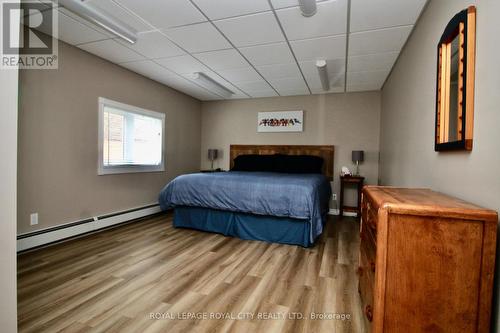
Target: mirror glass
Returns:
[[453, 121], [450, 90]]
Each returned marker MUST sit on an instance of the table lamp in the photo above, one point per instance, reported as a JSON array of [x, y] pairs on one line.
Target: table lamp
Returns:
[[357, 156], [212, 155]]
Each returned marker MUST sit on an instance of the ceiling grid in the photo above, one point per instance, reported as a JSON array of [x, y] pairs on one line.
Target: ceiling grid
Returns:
[[288, 44], [257, 48]]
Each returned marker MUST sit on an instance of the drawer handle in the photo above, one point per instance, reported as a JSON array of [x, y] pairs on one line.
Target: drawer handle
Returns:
[[360, 271], [372, 265], [369, 313]]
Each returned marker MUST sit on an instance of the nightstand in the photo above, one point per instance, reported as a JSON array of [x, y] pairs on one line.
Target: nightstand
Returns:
[[357, 182], [215, 170]]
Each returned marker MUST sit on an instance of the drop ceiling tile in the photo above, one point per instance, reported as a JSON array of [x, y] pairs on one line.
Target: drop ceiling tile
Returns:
[[236, 75], [189, 88], [278, 53], [199, 93], [378, 41], [288, 84], [221, 80], [179, 82], [239, 95], [182, 65], [111, 50], [149, 69], [375, 78], [293, 92], [262, 93], [254, 86], [333, 90], [333, 67], [86, 23], [165, 13], [70, 31], [153, 45], [376, 14], [286, 3], [332, 47], [222, 59], [362, 87], [209, 86], [116, 11], [336, 83], [251, 29], [158, 73], [198, 37], [203, 96], [227, 8], [372, 62], [330, 19], [279, 71]]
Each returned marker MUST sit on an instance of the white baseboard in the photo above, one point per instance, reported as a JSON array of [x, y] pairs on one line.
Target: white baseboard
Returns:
[[333, 211], [27, 241], [336, 212]]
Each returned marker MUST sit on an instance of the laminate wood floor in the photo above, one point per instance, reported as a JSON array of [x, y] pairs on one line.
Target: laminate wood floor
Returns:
[[148, 276]]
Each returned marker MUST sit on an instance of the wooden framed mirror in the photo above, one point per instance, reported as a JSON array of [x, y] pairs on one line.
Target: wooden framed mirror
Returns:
[[455, 83]]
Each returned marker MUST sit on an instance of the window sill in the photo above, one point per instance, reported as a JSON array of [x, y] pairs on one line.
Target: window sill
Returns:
[[129, 169]]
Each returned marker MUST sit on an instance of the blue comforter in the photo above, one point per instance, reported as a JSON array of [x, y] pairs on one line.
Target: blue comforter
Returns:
[[300, 196]]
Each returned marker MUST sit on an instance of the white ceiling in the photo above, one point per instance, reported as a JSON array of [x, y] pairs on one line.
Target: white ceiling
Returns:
[[256, 48]]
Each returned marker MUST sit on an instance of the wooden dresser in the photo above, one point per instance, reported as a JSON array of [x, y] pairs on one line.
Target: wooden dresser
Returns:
[[426, 261]]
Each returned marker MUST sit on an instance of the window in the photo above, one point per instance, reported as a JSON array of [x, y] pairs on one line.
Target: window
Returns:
[[130, 139]]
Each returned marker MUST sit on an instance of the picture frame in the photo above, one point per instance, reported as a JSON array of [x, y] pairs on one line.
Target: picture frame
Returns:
[[280, 121]]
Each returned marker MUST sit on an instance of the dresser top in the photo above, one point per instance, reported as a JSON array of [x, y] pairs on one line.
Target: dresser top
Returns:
[[425, 202]]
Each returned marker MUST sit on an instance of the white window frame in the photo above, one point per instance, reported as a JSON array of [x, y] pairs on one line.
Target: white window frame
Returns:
[[117, 169]]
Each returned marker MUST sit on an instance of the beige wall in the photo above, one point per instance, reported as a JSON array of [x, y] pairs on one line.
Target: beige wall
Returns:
[[8, 188], [58, 139], [408, 111], [347, 121]]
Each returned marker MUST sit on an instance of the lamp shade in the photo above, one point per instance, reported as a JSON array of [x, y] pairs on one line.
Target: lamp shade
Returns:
[[358, 156], [212, 154]]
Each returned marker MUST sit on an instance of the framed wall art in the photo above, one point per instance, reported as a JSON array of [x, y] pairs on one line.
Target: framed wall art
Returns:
[[280, 121]]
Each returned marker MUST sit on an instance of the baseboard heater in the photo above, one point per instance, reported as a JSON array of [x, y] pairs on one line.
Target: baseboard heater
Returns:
[[61, 232]]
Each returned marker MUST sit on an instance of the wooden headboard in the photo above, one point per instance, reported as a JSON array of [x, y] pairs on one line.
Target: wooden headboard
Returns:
[[326, 152]]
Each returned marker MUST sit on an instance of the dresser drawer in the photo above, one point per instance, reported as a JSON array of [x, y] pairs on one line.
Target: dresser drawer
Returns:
[[367, 256], [366, 272], [368, 236], [413, 262], [369, 213]]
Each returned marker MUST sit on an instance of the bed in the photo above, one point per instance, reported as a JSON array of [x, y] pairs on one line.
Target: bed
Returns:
[[276, 199]]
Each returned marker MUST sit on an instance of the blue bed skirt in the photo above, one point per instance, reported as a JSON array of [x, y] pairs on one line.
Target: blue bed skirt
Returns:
[[245, 226]]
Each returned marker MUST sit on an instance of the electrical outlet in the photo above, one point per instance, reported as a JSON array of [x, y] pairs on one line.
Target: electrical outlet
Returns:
[[334, 196], [34, 219]]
